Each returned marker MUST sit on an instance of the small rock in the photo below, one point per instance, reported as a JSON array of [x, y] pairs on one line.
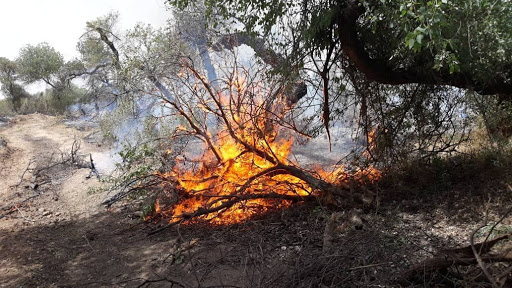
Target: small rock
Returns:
[[40, 210], [283, 248], [46, 213], [57, 214]]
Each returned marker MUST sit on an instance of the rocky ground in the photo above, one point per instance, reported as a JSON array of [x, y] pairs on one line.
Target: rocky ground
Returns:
[[54, 232]]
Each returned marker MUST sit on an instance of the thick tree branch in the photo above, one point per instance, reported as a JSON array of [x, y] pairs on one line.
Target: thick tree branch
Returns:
[[380, 71], [239, 198], [110, 44], [461, 256], [74, 75], [228, 204]]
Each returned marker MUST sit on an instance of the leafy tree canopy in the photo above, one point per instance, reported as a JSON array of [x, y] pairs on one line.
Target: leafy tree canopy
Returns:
[[40, 62], [95, 45], [8, 80], [461, 43]]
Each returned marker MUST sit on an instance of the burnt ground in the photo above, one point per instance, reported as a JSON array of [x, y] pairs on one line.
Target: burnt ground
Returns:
[[82, 245]]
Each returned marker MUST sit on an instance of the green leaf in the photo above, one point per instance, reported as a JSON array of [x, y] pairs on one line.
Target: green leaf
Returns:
[[411, 42], [419, 38]]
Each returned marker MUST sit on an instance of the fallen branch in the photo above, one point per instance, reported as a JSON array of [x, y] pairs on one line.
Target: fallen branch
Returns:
[[233, 199], [88, 243], [8, 213], [12, 208], [93, 171], [47, 163], [23, 216], [482, 250], [23, 174], [369, 266], [460, 257], [241, 198]]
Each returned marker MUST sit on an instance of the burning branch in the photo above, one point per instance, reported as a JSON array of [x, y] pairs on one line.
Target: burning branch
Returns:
[[244, 169]]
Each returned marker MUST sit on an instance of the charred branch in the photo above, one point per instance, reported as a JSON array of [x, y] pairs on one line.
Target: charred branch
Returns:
[[222, 203], [241, 198], [93, 171]]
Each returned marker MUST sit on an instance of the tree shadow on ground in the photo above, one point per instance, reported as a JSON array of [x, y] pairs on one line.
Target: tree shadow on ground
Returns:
[[283, 249], [102, 250]]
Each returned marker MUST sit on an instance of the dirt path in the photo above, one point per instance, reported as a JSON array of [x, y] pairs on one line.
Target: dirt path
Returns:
[[39, 140], [57, 233]]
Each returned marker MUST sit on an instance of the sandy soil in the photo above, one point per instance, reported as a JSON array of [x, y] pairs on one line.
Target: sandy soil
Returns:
[[39, 213], [34, 141]]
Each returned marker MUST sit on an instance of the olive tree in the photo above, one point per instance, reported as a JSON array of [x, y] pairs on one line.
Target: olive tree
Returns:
[[42, 62], [9, 81]]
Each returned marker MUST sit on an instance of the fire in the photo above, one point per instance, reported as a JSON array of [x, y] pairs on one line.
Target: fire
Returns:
[[341, 175], [205, 186], [235, 179], [158, 208]]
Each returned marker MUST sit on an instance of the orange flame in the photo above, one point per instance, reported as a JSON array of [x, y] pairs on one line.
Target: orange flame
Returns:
[[209, 183], [240, 172]]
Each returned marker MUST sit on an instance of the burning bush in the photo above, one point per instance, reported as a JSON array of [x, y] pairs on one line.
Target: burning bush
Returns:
[[243, 168]]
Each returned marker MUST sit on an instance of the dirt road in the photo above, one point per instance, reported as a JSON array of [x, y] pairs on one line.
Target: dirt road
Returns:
[[32, 142], [54, 232]]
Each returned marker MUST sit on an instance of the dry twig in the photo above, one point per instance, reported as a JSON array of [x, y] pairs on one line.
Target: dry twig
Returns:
[[478, 253]]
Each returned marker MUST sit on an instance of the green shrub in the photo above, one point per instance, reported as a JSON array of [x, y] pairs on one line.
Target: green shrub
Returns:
[[6, 108], [52, 101], [475, 169]]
